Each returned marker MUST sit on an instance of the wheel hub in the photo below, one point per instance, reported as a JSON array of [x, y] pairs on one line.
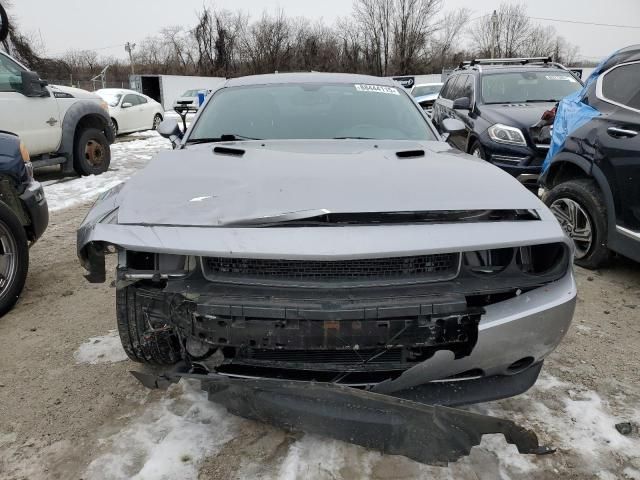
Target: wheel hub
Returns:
[[94, 153]]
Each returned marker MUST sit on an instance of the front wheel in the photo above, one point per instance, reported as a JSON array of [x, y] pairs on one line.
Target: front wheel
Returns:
[[477, 151], [579, 207], [156, 121], [145, 338], [14, 258], [92, 154]]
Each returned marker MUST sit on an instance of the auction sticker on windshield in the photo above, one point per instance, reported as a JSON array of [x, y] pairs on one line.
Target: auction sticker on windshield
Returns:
[[560, 77], [377, 89]]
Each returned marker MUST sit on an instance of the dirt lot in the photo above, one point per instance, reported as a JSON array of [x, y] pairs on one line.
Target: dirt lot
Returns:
[[69, 409]]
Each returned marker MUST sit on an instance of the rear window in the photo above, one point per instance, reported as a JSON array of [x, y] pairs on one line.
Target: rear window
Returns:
[[523, 87]]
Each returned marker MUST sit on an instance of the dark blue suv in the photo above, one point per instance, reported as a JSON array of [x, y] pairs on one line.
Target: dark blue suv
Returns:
[[501, 102]]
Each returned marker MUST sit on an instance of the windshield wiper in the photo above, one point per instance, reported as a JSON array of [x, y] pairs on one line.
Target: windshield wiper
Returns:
[[539, 100], [225, 137], [353, 138]]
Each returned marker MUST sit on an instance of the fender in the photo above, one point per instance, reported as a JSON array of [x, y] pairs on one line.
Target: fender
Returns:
[[72, 117], [594, 172]]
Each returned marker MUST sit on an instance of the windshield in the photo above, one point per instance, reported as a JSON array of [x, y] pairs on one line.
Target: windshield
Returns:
[[190, 93], [312, 111], [522, 87], [422, 90], [111, 98]]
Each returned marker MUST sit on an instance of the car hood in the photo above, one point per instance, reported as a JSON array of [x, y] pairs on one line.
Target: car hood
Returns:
[[77, 92], [520, 115], [427, 98], [199, 187]]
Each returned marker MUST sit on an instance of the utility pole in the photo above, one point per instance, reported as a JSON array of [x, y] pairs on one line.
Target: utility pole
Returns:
[[494, 32], [128, 47]]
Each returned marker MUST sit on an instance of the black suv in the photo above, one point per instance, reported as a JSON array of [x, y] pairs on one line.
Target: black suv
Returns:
[[501, 102], [593, 181]]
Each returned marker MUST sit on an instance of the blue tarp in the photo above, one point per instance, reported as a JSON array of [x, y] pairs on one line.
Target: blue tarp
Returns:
[[572, 114]]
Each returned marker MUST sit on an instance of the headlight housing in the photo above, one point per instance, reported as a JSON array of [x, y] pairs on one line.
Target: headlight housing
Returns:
[[505, 134]]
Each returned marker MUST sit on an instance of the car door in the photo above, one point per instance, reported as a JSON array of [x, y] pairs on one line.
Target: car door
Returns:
[[464, 88], [128, 113], [619, 137], [35, 119], [442, 103], [144, 117]]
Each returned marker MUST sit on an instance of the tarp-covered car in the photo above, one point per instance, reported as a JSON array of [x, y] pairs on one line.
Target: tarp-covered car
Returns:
[[316, 227]]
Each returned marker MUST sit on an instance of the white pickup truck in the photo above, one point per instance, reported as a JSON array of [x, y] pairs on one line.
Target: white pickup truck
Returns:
[[59, 125]]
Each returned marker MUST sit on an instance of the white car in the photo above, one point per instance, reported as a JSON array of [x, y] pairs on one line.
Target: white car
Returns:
[[131, 111], [426, 94], [188, 101]]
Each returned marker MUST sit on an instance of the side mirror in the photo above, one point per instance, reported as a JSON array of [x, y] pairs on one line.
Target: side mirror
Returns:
[[32, 86], [453, 125], [169, 129], [462, 103], [127, 105]]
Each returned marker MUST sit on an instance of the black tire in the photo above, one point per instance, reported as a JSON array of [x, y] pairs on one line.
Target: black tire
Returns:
[[13, 273], [476, 146], [587, 195], [91, 152], [142, 340], [114, 127], [156, 121]]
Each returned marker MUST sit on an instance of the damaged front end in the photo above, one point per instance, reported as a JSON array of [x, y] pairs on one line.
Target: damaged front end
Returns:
[[429, 434], [351, 321]]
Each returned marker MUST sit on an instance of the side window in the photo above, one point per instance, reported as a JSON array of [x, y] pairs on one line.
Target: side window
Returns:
[[130, 98], [10, 79], [457, 88], [141, 100], [621, 85], [444, 93], [466, 89]]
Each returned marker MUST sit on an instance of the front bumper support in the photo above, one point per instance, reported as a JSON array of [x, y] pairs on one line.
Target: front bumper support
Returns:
[[429, 434]]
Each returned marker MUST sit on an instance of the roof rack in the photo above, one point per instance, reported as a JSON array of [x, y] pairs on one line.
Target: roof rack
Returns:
[[504, 61]]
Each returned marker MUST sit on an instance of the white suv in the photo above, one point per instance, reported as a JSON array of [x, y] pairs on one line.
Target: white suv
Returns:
[[59, 125]]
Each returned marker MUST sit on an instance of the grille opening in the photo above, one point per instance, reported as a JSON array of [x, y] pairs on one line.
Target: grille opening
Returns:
[[340, 377], [435, 266], [141, 260], [540, 259], [488, 262]]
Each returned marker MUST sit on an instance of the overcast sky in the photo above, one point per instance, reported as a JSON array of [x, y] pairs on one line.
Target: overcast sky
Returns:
[[94, 24]]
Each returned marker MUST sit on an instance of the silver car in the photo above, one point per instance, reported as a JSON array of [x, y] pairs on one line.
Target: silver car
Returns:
[[316, 227]]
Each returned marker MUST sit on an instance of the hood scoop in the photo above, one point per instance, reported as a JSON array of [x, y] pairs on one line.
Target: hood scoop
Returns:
[[410, 154], [234, 152]]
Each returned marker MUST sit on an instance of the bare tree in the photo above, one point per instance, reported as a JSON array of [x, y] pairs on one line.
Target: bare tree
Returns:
[[448, 37], [509, 36]]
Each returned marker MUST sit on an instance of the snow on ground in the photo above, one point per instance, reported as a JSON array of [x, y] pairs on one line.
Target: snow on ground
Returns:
[[168, 440], [127, 157], [103, 349]]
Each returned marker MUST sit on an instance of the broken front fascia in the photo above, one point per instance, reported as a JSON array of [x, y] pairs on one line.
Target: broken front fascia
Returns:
[[429, 434]]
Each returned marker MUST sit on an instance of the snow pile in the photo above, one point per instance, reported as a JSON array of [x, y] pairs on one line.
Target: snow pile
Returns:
[[103, 349], [168, 440], [576, 421], [127, 157]]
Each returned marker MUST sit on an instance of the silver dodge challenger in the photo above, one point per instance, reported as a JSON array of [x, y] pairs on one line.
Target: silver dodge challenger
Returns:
[[316, 227]]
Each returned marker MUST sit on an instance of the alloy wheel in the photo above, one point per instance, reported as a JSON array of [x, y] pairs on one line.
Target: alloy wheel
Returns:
[[8, 259], [576, 223]]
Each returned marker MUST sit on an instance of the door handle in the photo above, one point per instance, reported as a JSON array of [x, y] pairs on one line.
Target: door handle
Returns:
[[621, 132]]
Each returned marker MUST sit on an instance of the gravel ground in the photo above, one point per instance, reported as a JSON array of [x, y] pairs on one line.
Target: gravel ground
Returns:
[[70, 409]]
